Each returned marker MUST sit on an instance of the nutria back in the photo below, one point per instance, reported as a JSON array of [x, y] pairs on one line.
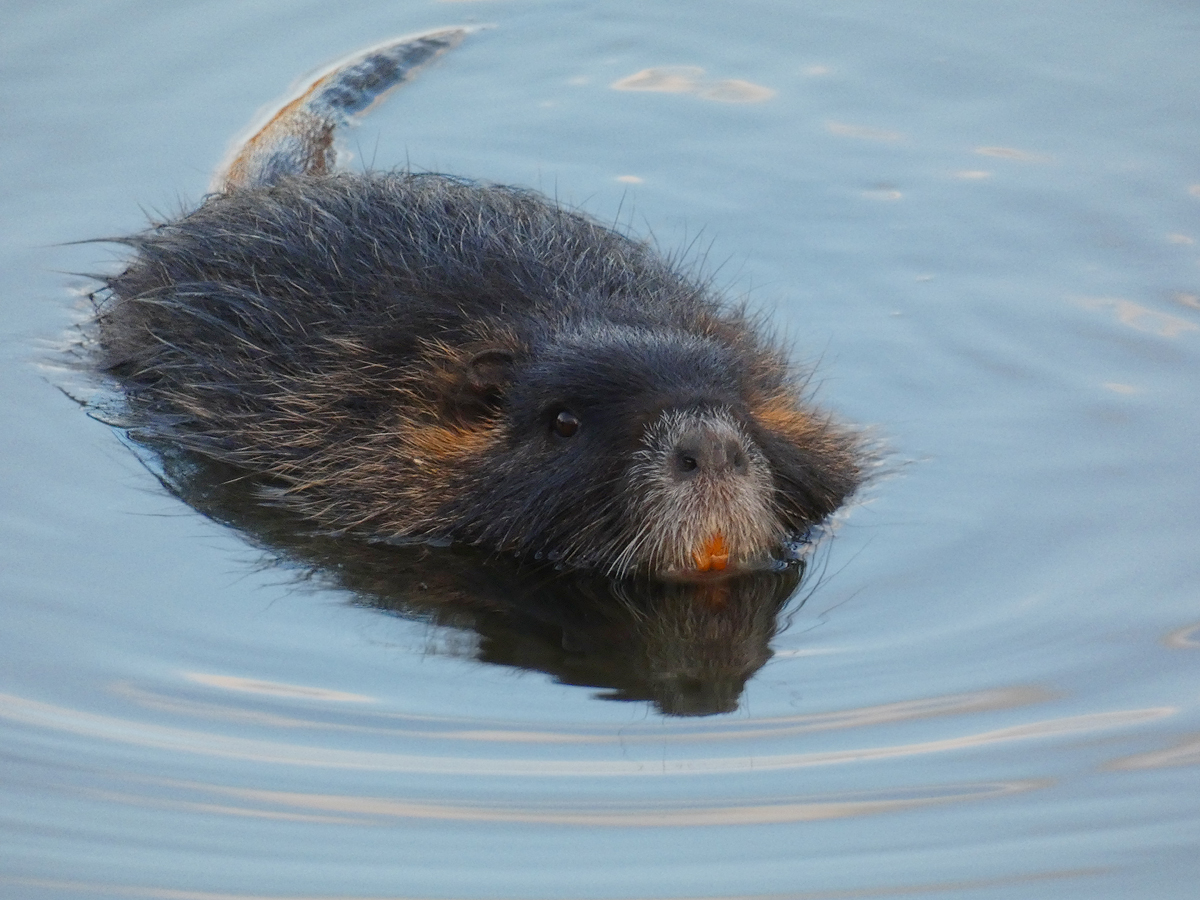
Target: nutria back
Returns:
[[416, 356]]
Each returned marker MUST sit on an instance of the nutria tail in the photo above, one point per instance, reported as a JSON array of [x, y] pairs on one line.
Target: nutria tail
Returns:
[[298, 139]]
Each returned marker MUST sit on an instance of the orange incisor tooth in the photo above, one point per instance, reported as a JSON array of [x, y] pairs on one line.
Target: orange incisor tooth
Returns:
[[715, 554]]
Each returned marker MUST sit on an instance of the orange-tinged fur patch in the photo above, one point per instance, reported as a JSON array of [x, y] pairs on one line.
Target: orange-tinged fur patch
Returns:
[[782, 415], [446, 443]]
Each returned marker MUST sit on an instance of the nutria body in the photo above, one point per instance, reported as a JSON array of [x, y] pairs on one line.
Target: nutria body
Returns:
[[405, 355]]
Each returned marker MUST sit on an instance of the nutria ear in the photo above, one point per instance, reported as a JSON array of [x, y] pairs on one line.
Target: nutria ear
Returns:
[[486, 379]]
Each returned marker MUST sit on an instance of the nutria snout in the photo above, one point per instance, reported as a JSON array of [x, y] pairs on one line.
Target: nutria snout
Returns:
[[415, 356]]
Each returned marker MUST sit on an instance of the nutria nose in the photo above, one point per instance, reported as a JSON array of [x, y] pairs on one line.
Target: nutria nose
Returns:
[[704, 450]]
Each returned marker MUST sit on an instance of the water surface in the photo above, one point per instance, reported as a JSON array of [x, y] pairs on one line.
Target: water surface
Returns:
[[981, 219]]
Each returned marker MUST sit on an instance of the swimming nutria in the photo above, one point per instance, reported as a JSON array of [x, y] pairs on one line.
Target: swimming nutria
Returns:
[[416, 356]]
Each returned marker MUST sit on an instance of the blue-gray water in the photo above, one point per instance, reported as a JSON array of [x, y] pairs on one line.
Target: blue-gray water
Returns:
[[982, 218]]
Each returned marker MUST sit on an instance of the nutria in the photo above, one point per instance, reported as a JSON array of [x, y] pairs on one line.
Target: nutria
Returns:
[[406, 356]]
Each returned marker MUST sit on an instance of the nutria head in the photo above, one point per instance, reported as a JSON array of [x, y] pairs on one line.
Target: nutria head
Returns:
[[635, 449]]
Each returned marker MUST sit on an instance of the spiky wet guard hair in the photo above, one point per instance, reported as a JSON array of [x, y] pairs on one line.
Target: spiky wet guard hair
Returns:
[[383, 350]]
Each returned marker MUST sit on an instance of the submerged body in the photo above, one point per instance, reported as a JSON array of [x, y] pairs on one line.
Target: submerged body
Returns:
[[417, 356]]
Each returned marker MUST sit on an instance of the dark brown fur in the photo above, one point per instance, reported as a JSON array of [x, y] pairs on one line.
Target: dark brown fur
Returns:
[[389, 355]]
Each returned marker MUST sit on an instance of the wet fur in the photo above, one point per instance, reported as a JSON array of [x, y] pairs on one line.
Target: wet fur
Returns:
[[386, 353]]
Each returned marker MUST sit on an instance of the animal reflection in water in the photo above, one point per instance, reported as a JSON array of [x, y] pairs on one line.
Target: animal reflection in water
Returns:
[[688, 647]]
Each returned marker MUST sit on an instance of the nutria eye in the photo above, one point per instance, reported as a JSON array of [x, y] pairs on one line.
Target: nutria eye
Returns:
[[565, 424]]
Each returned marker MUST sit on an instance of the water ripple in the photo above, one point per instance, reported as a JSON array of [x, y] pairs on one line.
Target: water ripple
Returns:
[[443, 728], [341, 809], [127, 731], [902, 890]]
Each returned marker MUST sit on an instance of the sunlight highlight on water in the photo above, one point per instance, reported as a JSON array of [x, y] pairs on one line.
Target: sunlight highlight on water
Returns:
[[980, 222]]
